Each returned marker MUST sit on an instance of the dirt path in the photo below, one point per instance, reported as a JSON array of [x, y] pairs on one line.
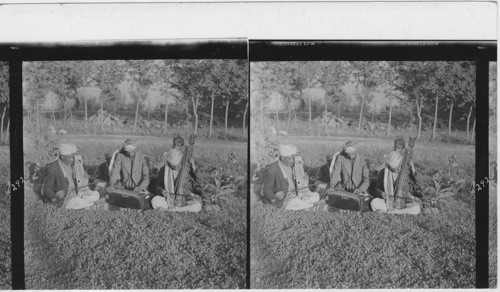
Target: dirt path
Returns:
[[118, 139], [378, 142]]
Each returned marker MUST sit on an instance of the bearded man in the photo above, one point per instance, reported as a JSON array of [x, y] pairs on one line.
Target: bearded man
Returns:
[[166, 182], [59, 185], [386, 187], [130, 168], [279, 186], [351, 170]]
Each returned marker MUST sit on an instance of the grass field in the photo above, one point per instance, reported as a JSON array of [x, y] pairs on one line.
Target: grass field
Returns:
[[370, 250], [5, 244], [84, 249]]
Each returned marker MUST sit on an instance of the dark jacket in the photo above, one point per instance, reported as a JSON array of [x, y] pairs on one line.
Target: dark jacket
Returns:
[[324, 173], [103, 172], [122, 170], [274, 182], [54, 180], [360, 177]]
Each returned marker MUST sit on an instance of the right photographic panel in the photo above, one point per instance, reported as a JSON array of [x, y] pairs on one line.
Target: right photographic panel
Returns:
[[373, 165]]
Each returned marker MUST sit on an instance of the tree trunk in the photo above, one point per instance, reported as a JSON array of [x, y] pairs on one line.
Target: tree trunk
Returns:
[[361, 111], [449, 121], [211, 115], [468, 120], [7, 133], [37, 114], [473, 129], [310, 110], [419, 109], [390, 118], [325, 116], [261, 114], [102, 113], [435, 117], [227, 111], [244, 118], [166, 115], [373, 117], [114, 108], [84, 95], [137, 106], [195, 110], [1, 124], [338, 109], [53, 116]]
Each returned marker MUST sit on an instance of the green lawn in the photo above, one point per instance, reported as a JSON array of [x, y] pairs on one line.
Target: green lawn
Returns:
[[291, 249], [82, 249]]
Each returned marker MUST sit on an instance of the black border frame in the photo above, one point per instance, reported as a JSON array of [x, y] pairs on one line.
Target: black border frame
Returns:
[[17, 53]]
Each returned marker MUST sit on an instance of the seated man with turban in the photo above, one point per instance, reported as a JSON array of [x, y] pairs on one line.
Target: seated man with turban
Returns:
[[326, 170], [130, 168], [351, 170], [103, 169], [386, 188], [279, 187], [165, 183], [59, 186]]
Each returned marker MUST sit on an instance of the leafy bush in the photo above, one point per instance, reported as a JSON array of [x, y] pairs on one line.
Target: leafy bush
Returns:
[[96, 249], [5, 244]]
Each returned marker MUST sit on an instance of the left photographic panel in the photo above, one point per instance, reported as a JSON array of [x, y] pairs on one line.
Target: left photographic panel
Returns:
[[136, 169], [5, 186]]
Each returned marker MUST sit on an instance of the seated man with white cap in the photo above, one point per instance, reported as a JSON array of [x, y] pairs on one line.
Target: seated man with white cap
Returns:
[[351, 170], [59, 186], [102, 172], [279, 186], [326, 170], [130, 168], [165, 183], [386, 187]]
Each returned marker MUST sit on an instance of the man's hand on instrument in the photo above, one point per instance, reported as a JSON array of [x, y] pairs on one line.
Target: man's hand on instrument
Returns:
[[412, 167], [139, 190], [357, 191], [193, 165], [388, 203], [280, 195]]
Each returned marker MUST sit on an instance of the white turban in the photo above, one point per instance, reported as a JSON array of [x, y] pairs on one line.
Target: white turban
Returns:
[[67, 149], [173, 156], [130, 144], [287, 150], [350, 147], [393, 159]]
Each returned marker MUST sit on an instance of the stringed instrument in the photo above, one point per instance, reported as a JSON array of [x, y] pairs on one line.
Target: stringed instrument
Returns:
[[82, 181], [182, 188], [299, 175], [400, 189]]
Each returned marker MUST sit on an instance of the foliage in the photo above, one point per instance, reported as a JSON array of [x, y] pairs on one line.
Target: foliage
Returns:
[[96, 249], [5, 243], [4, 82]]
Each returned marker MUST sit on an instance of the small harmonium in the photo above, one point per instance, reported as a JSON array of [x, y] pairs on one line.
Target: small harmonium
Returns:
[[349, 201], [129, 199]]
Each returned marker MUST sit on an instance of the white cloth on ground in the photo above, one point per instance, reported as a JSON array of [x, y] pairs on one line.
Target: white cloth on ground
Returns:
[[378, 204], [80, 200], [159, 202], [304, 200]]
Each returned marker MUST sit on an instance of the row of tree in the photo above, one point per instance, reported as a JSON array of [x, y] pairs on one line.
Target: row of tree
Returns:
[[413, 86], [195, 85]]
